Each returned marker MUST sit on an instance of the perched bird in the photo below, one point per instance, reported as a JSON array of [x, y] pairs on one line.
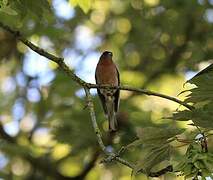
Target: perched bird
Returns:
[[107, 74]]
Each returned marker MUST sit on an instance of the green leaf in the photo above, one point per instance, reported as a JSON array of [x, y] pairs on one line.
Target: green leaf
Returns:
[[188, 169], [206, 75], [195, 161], [135, 143], [36, 9], [202, 117], [204, 90], [182, 115], [180, 166], [6, 8], [199, 165], [73, 2], [208, 164], [4, 3], [153, 135], [155, 155], [85, 5], [202, 98]]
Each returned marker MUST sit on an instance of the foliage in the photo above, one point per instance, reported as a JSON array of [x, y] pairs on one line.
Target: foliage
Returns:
[[45, 130], [196, 163], [84, 5]]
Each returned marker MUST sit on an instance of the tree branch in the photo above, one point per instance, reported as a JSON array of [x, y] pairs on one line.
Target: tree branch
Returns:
[[113, 156], [143, 91], [93, 118], [67, 70], [87, 87], [42, 52]]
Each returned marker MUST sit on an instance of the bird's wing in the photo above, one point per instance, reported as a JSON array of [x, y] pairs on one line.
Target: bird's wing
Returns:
[[117, 93], [102, 98]]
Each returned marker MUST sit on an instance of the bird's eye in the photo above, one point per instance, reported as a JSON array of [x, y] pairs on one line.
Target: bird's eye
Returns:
[[107, 54], [110, 53]]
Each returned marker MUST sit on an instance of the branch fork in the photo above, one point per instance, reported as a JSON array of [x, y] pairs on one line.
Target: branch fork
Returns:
[[87, 86]]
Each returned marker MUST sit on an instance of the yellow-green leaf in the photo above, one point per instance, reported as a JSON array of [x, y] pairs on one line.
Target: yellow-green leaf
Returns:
[[85, 5], [8, 10], [73, 2]]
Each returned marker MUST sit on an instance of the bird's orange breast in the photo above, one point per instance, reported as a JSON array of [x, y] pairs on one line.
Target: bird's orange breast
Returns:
[[106, 73]]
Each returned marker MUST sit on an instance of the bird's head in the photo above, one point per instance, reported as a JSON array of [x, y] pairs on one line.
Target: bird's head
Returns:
[[106, 55]]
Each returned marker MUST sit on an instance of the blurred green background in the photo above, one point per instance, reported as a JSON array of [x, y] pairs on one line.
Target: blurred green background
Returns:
[[45, 131]]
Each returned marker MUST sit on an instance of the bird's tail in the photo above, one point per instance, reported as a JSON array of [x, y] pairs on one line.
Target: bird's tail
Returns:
[[111, 114]]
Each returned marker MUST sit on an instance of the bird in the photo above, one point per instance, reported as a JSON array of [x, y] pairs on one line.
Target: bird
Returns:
[[107, 73]]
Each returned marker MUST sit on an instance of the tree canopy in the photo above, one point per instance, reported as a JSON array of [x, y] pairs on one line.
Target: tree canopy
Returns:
[[52, 125]]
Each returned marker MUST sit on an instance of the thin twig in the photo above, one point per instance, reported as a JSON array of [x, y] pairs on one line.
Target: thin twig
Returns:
[[111, 156], [124, 162], [143, 91], [93, 118]]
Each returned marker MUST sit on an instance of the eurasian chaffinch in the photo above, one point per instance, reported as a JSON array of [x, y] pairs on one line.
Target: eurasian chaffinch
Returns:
[[107, 74]]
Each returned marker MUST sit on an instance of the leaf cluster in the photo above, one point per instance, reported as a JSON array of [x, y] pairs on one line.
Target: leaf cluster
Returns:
[[195, 163], [155, 145]]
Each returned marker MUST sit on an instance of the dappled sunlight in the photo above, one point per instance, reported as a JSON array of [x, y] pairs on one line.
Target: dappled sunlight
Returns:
[[20, 167], [60, 151], [63, 9], [45, 126], [8, 85], [123, 25], [132, 78], [12, 128], [73, 164], [95, 173], [98, 17], [86, 69], [125, 94], [85, 39], [42, 137], [152, 2], [133, 59], [209, 15], [28, 122], [169, 85]]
